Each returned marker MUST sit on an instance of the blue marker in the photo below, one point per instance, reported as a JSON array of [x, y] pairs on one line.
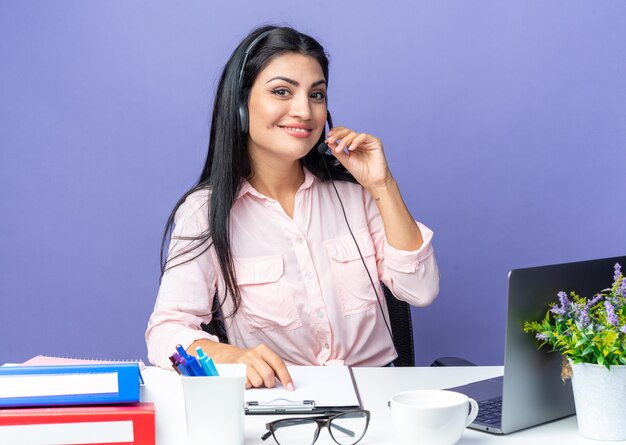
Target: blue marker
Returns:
[[207, 363]]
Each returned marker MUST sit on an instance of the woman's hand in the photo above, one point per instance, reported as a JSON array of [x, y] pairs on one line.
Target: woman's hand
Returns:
[[361, 154], [263, 366], [365, 159]]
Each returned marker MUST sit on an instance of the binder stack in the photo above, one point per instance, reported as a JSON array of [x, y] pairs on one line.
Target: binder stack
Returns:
[[74, 404]]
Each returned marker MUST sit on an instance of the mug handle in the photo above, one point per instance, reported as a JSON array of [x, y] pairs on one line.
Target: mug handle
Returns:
[[473, 411]]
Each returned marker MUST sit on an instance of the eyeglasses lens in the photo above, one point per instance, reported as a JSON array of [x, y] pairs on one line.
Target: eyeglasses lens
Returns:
[[295, 431], [349, 428]]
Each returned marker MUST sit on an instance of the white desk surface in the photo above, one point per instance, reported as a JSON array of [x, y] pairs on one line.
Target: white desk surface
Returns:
[[376, 386]]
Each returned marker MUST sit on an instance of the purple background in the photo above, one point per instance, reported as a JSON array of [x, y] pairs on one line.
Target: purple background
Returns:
[[504, 123]]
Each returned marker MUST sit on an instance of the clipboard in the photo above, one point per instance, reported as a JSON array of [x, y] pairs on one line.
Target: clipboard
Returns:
[[319, 389]]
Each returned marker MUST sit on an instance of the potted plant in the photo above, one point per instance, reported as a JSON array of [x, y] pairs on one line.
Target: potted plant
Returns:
[[591, 336]]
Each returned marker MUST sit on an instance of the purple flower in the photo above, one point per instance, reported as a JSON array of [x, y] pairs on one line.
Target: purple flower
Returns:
[[611, 316], [563, 307], [557, 310], [596, 298], [618, 272], [583, 317], [541, 337], [623, 329]]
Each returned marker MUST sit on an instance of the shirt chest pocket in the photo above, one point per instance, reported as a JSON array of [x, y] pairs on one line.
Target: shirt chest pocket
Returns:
[[350, 277], [266, 300]]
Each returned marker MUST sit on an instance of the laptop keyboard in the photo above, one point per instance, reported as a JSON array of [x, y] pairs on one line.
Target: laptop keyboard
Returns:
[[490, 411]]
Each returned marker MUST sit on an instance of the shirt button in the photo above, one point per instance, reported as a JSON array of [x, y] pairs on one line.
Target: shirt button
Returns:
[[320, 314], [326, 346], [299, 240], [309, 275]]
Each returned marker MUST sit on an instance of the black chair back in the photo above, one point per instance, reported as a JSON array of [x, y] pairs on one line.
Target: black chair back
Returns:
[[402, 328]]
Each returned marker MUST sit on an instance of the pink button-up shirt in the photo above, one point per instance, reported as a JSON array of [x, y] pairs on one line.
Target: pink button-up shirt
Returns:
[[304, 290]]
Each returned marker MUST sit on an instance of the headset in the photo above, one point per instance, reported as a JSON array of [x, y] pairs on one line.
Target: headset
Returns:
[[243, 108], [322, 149]]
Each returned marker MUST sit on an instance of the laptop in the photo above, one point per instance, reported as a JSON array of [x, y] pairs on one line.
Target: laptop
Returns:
[[531, 391]]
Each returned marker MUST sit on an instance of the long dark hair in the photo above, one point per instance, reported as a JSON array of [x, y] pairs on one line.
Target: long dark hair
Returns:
[[227, 163]]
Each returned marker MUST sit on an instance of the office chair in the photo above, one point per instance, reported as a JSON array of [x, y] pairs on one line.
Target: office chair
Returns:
[[399, 318], [451, 361]]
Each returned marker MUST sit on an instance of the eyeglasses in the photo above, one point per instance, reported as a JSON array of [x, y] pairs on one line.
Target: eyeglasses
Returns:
[[346, 428]]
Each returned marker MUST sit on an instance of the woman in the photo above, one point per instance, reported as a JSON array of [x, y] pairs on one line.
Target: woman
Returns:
[[282, 247]]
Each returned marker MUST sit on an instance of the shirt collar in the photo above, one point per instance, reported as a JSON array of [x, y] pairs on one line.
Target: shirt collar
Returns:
[[246, 187]]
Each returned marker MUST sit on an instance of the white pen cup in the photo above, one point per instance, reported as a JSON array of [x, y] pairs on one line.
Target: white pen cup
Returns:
[[431, 417], [214, 406]]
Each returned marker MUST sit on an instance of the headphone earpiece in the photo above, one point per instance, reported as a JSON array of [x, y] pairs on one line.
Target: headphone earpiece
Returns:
[[243, 118], [243, 108]]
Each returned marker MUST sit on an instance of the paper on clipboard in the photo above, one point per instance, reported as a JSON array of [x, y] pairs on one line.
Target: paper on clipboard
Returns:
[[318, 388]]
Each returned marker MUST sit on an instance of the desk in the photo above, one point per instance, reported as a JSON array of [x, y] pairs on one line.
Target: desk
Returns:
[[376, 386]]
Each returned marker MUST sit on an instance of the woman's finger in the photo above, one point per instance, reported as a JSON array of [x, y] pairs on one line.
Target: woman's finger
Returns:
[[281, 371], [265, 372], [256, 381], [357, 141], [337, 133], [345, 141]]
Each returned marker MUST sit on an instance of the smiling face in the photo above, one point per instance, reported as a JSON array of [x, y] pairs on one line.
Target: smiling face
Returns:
[[287, 108]]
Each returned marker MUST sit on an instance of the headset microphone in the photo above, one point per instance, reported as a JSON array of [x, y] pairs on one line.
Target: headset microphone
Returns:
[[323, 147]]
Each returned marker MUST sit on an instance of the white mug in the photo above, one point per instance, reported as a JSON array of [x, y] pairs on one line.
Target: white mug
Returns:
[[431, 417]]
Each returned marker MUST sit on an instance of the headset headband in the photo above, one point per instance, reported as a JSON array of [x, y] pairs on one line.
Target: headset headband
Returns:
[[247, 53]]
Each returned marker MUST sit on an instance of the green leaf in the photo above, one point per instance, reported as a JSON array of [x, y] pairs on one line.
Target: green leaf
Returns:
[[588, 350]]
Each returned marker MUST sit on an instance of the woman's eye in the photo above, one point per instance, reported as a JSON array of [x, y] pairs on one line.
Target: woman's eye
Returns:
[[318, 95], [281, 92]]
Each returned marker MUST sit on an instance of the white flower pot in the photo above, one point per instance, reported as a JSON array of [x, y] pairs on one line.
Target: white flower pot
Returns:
[[600, 397]]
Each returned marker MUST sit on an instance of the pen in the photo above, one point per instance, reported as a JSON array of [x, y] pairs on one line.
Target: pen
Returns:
[[207, 363], [194, 367], [174, 364], [184, 369], [181, 351], [180, 364], [176, 356], [185, 361]]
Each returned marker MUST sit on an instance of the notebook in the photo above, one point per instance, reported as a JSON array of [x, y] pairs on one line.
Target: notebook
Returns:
[[531, 391]]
